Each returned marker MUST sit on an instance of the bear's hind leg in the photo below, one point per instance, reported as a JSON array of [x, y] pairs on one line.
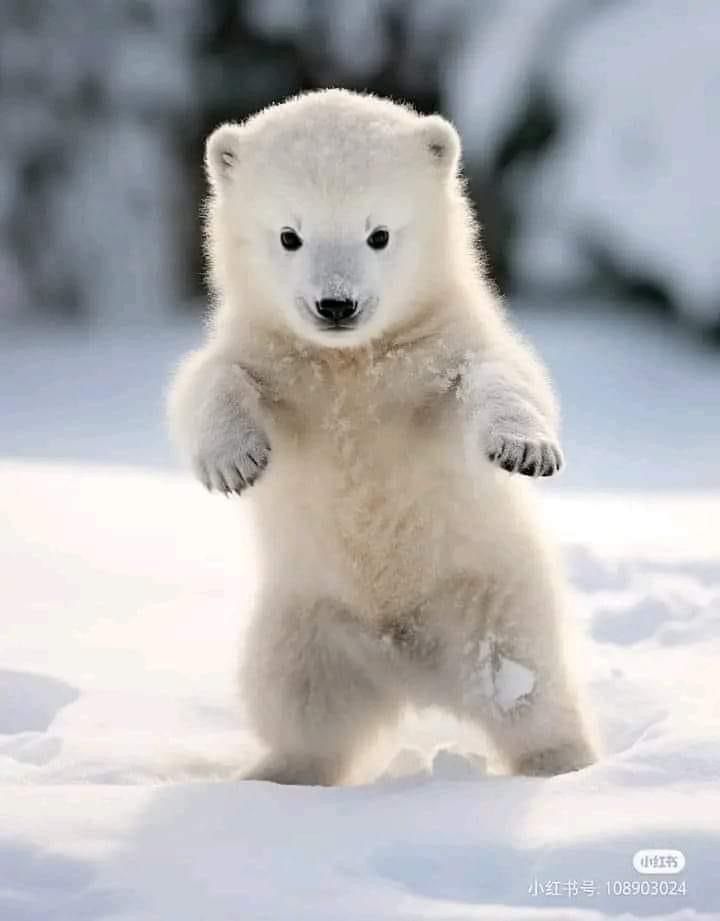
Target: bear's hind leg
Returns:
[[543, 734], [515, 681], [316, 692]]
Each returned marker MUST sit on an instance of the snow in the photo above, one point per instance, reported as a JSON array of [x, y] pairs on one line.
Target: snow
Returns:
[[124, 602], [90, 172], [647, 142], [501, 82], [496, 678], [628, 180]]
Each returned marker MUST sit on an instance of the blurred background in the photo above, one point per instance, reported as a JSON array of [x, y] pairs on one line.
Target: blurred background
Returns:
[[591, 143]]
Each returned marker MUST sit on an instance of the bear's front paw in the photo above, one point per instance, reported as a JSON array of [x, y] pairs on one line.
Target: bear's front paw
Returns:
[[519, 454], [235, 463]]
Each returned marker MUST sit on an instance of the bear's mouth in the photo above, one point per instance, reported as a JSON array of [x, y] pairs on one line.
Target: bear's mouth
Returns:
[[337, 327]]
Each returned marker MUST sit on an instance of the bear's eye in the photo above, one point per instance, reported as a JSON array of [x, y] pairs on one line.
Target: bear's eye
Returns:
[[378, 239], [290, 240]]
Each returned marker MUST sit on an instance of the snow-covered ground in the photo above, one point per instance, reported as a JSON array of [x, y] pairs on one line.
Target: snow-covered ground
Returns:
[[125, 589], [124, 595]]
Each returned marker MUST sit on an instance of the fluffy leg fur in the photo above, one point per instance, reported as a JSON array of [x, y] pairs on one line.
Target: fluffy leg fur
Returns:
[[513, 679], [509, 394], [545, 735], [316, 690], [215, 414]]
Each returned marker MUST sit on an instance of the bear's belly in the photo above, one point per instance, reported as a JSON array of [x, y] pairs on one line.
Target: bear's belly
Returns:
[[376, 524]]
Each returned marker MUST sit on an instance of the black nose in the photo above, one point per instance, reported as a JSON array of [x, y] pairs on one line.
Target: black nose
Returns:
[[335, 311]]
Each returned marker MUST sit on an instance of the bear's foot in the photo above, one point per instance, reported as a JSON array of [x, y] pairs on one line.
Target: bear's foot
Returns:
[[298, 769], [561, 759]]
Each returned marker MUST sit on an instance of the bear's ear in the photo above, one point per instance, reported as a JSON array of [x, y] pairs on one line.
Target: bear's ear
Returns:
[[442, 142], [222, 152]]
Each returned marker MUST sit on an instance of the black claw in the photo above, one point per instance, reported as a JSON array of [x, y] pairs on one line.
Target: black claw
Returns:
[[508, 464], [204, 477], [529, 469], [549, 470], [252, 459]]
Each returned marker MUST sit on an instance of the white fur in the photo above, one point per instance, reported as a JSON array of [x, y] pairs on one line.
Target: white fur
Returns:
[[400, 563]]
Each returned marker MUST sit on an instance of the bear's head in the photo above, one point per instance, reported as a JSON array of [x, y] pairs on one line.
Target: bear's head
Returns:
[[334, 215]]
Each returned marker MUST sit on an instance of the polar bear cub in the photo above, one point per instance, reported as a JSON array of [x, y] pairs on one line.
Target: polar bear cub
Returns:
[[360, 375]]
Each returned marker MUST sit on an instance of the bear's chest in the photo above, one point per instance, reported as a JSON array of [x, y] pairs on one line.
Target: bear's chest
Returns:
[[366, 461], [381, 497]]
